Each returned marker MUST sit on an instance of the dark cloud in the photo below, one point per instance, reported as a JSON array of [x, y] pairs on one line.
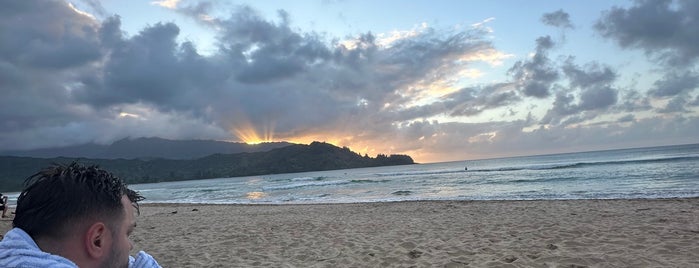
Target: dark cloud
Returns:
[[562, 106], [592, 74], [666, 30], [595, 81], [633, 101], [536, 76], [593, 85], [473, 101], [44, 48], [598, 98], [675, 105], [675, 83], [47, 36], [559, 19], [68, 78], [627, 118], [263, 74]]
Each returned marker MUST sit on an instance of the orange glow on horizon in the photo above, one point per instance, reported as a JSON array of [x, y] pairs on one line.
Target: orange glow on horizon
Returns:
[[362, 145]]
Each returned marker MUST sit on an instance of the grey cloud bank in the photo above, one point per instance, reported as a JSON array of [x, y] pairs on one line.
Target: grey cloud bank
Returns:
[[67, 78]]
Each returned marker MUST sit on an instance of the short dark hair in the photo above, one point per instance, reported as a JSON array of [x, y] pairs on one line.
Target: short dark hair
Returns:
[[60, 196]]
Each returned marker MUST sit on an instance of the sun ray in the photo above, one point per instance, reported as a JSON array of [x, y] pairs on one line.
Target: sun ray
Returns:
[[248, 133]]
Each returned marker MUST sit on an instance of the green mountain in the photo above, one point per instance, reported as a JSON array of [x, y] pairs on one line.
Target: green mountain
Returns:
[[317, 156], [145, 148]]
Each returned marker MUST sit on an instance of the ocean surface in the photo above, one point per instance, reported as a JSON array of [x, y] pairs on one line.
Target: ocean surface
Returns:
[[657, 172]]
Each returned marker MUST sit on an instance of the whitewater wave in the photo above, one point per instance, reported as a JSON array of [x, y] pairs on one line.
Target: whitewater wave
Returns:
[[409, 173], [587, 164], [302, 184], [316, 182], [540, 166], [308, 179]]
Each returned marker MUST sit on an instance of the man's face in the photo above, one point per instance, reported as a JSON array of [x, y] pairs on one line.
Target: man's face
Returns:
[[121, 244]]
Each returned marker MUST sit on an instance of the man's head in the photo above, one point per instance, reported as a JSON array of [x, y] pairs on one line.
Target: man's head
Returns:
[[82, 213]]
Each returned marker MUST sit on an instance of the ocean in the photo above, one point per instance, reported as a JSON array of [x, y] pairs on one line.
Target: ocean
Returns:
[[656, 172]]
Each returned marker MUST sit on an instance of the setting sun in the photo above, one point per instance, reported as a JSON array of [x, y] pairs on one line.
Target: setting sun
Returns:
[[247, 133]]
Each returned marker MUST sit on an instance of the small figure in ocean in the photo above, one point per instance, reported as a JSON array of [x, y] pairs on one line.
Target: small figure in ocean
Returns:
[[466, 168]]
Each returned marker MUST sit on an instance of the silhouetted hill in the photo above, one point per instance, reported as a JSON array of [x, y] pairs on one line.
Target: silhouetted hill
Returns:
[[317, 156], [149, 148]]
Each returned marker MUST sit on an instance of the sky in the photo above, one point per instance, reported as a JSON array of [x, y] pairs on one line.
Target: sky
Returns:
[[437, 80]]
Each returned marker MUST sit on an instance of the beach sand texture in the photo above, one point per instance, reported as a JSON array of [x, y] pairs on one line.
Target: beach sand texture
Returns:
[[575, 233]]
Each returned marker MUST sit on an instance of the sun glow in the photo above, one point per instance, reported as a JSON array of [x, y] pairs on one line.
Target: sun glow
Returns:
[[247, 133]]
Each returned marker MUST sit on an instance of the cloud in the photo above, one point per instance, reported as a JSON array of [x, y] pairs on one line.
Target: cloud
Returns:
[[695, 102], [627, 118], [593, 74], [96, 7], [665, 30], [58, 37], [263, 74], [674, 83], [473, 101], [559, 19], [633, 101], [590, 90], [536, 76], [69, 78], [675, 105], [170, 4], [39, 63]]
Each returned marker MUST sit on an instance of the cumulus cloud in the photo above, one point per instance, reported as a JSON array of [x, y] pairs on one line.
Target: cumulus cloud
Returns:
[[675, 105], [590, 90], [559, 19], [70, 78], [536, 76], [633, 101], [674, 83], [264, 73], [665, 30]]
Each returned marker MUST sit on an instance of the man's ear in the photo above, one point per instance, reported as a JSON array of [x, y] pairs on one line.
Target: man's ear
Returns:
[[97, 240]]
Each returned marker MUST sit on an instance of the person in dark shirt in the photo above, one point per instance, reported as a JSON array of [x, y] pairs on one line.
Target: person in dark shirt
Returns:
[[3, 204]]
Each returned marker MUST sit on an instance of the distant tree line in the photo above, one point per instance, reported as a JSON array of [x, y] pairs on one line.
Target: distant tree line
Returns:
[[317, 156]]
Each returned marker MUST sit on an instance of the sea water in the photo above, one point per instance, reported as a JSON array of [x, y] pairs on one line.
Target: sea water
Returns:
[[657, 172]]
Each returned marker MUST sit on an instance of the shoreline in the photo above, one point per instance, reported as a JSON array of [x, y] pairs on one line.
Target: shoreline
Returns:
[[157, 204], [468, 233]]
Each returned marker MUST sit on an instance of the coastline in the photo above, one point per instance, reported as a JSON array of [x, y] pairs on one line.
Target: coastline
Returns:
[[538, 233]]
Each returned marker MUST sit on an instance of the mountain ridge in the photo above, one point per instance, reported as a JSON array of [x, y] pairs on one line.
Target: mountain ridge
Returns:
[[317, 156], [148, 147]]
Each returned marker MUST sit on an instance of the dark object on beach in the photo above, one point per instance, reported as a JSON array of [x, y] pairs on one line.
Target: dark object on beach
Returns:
[[174, 212], [551, 246], [414, 254], [195, 209]]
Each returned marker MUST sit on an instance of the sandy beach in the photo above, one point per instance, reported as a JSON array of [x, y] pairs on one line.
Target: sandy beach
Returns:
[[576, 233]]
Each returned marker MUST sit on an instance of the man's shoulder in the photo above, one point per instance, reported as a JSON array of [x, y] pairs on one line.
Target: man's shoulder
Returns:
[[18, 250]]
